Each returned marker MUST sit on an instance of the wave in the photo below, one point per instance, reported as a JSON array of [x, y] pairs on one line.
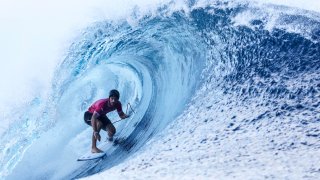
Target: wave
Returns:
[[160, 64]]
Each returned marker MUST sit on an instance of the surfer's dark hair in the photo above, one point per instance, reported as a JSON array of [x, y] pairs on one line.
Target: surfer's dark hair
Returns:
[[114, 93]]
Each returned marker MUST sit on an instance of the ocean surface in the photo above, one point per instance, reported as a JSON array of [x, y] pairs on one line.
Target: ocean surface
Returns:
[[219, 89]]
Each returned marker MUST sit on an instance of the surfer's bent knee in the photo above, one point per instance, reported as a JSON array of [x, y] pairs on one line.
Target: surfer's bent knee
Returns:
[[112, 129]]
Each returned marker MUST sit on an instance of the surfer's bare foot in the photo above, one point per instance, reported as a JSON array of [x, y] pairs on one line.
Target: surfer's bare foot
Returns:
[[96, 150]]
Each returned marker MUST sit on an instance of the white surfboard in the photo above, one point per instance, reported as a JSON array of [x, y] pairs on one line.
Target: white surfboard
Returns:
[[90, 156], [105, 146]]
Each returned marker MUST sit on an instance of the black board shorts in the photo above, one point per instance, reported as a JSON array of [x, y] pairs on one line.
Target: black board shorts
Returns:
[[104, 119]]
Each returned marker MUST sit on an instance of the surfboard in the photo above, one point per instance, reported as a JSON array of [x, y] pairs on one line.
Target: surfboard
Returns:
[[104, 146], [91, 156]]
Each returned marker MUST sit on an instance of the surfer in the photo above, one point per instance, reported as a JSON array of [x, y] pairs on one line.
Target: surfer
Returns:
[[96, 116]]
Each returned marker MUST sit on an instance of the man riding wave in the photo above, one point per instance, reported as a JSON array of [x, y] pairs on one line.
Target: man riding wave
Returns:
[[96, 116]]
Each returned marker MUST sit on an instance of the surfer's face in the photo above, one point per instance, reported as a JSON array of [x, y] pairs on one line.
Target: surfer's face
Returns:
[[113, 100]]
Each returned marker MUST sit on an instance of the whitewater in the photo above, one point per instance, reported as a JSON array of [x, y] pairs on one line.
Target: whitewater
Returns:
[[220, 89]]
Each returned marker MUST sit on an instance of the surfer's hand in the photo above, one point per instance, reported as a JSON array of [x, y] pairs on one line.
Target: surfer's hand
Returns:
[[97, 136], [124, 116]]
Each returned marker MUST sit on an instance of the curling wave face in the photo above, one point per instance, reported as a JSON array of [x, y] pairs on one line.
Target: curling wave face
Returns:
[[158, 65]]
